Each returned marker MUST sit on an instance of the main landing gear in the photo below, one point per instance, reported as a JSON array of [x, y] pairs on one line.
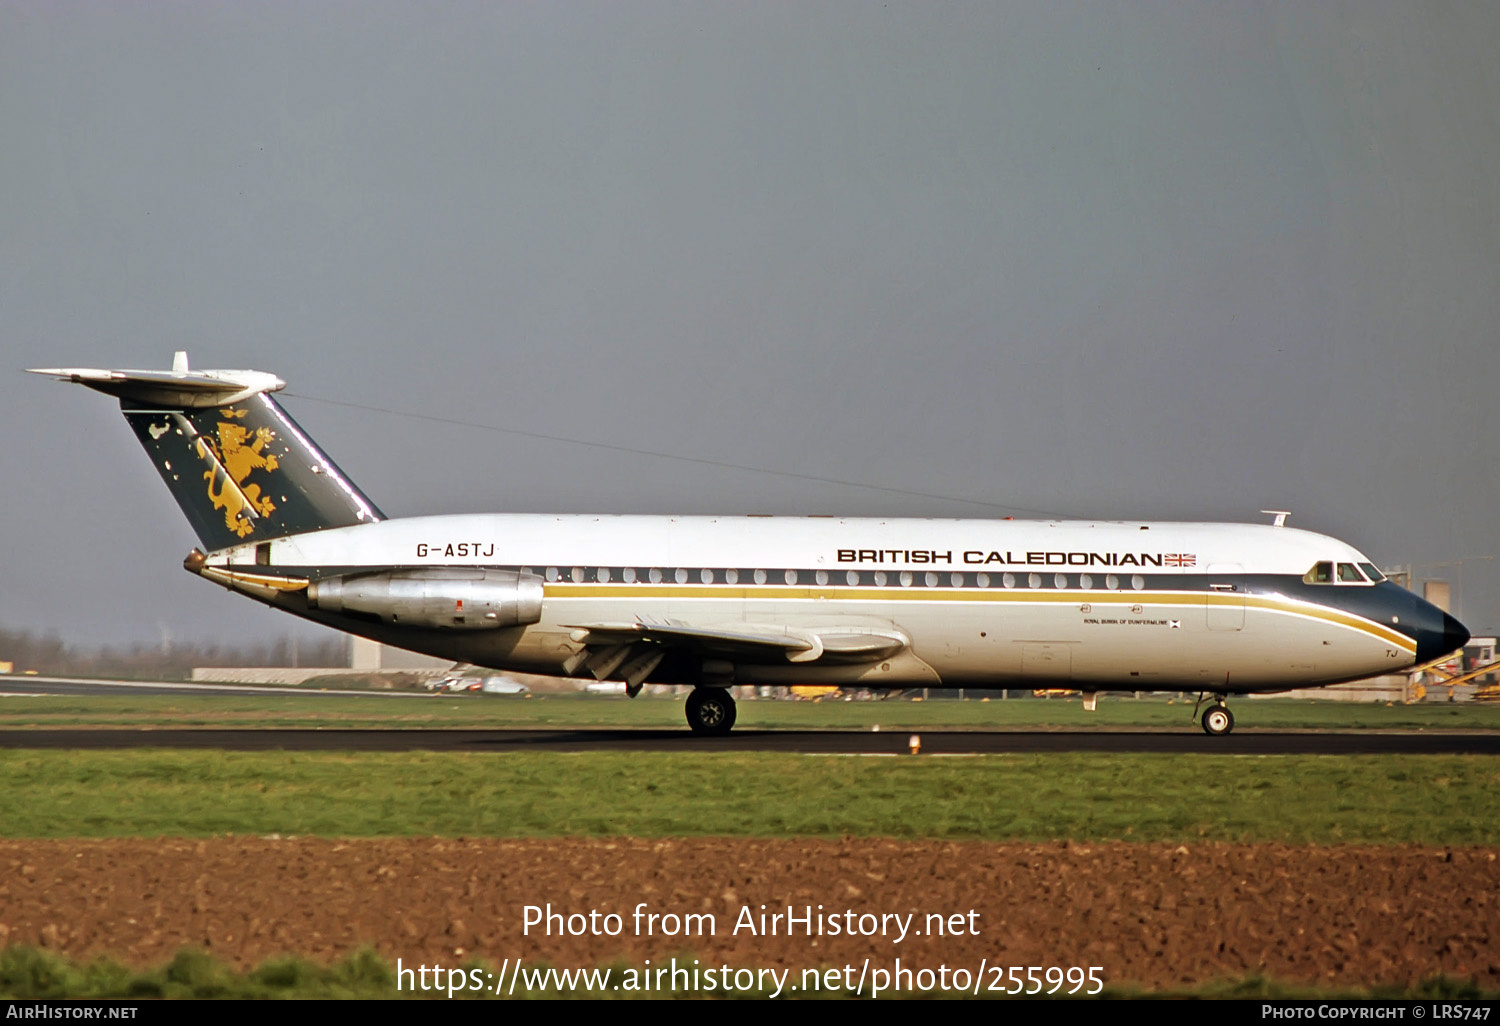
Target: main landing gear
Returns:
[[1217, 719], [710, 711]]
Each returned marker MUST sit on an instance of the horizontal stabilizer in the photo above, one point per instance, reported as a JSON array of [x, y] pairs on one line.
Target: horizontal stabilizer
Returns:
[[176, 388]]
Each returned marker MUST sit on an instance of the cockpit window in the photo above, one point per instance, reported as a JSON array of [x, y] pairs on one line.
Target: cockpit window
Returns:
[[1321, 573], [1349, 574], [1371, 572]]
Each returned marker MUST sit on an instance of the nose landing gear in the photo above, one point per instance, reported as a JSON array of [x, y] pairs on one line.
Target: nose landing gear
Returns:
[[1217, 719]]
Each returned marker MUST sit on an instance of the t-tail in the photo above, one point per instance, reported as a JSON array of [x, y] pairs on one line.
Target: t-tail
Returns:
[[237, 464]]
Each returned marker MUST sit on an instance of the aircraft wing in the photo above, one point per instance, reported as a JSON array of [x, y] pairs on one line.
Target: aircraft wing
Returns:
[[630, 651]]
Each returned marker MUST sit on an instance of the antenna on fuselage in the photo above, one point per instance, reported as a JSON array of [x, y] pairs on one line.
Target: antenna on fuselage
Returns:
[[1279, 514]]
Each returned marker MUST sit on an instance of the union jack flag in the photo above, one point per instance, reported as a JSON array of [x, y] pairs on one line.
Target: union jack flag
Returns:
[[1180, 559]]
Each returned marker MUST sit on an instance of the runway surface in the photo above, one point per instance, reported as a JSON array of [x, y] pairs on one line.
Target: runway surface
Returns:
[[1187, 740], [1250, 742]]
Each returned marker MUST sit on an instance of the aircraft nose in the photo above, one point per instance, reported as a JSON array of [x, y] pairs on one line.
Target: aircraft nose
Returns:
[[1438, 634], [1455, 634]]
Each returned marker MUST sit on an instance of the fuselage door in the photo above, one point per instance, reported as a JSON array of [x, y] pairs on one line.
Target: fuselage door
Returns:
[[1224, 606]]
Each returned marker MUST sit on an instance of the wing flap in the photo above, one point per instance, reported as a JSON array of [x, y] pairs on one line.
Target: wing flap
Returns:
[[748, 642], [713, 641]]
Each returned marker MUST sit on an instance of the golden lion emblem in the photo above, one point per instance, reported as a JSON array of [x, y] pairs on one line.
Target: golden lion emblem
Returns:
[[236, 454]]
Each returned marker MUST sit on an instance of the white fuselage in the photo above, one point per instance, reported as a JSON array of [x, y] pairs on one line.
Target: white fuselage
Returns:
[[979, 603]]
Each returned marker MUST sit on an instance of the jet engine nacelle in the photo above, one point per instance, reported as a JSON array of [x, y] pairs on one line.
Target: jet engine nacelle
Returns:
[[453, 599]]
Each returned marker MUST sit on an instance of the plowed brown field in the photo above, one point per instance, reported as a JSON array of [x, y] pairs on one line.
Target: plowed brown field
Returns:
[[1155, 915]]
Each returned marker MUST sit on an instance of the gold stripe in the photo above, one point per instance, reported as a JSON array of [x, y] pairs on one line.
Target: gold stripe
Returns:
[[1188, 599], [260, 580]]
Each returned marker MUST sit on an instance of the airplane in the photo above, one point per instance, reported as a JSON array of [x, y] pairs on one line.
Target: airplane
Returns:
[[1212, 609]]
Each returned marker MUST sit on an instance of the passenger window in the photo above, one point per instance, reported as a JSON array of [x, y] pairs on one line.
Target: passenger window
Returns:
[[1349, 574], [1321, 573]]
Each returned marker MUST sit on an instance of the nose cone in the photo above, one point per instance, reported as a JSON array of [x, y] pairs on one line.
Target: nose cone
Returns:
[[1438, 634], [1455, 634]]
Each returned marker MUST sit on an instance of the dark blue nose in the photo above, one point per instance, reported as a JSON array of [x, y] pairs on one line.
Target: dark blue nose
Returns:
[[1437, 633]]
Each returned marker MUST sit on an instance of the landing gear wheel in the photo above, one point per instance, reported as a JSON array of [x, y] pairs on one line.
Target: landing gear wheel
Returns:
[[710, 711], [1218, 720]]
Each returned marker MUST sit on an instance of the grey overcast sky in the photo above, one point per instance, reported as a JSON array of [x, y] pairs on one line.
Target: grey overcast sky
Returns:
[[1119, 260]]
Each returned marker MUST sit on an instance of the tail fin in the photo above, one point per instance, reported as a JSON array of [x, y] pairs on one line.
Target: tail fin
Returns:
[[237, 464]]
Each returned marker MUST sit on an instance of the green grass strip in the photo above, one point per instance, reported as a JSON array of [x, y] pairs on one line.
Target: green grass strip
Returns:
[[28, 974], [333, 709], [1082, 796]]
